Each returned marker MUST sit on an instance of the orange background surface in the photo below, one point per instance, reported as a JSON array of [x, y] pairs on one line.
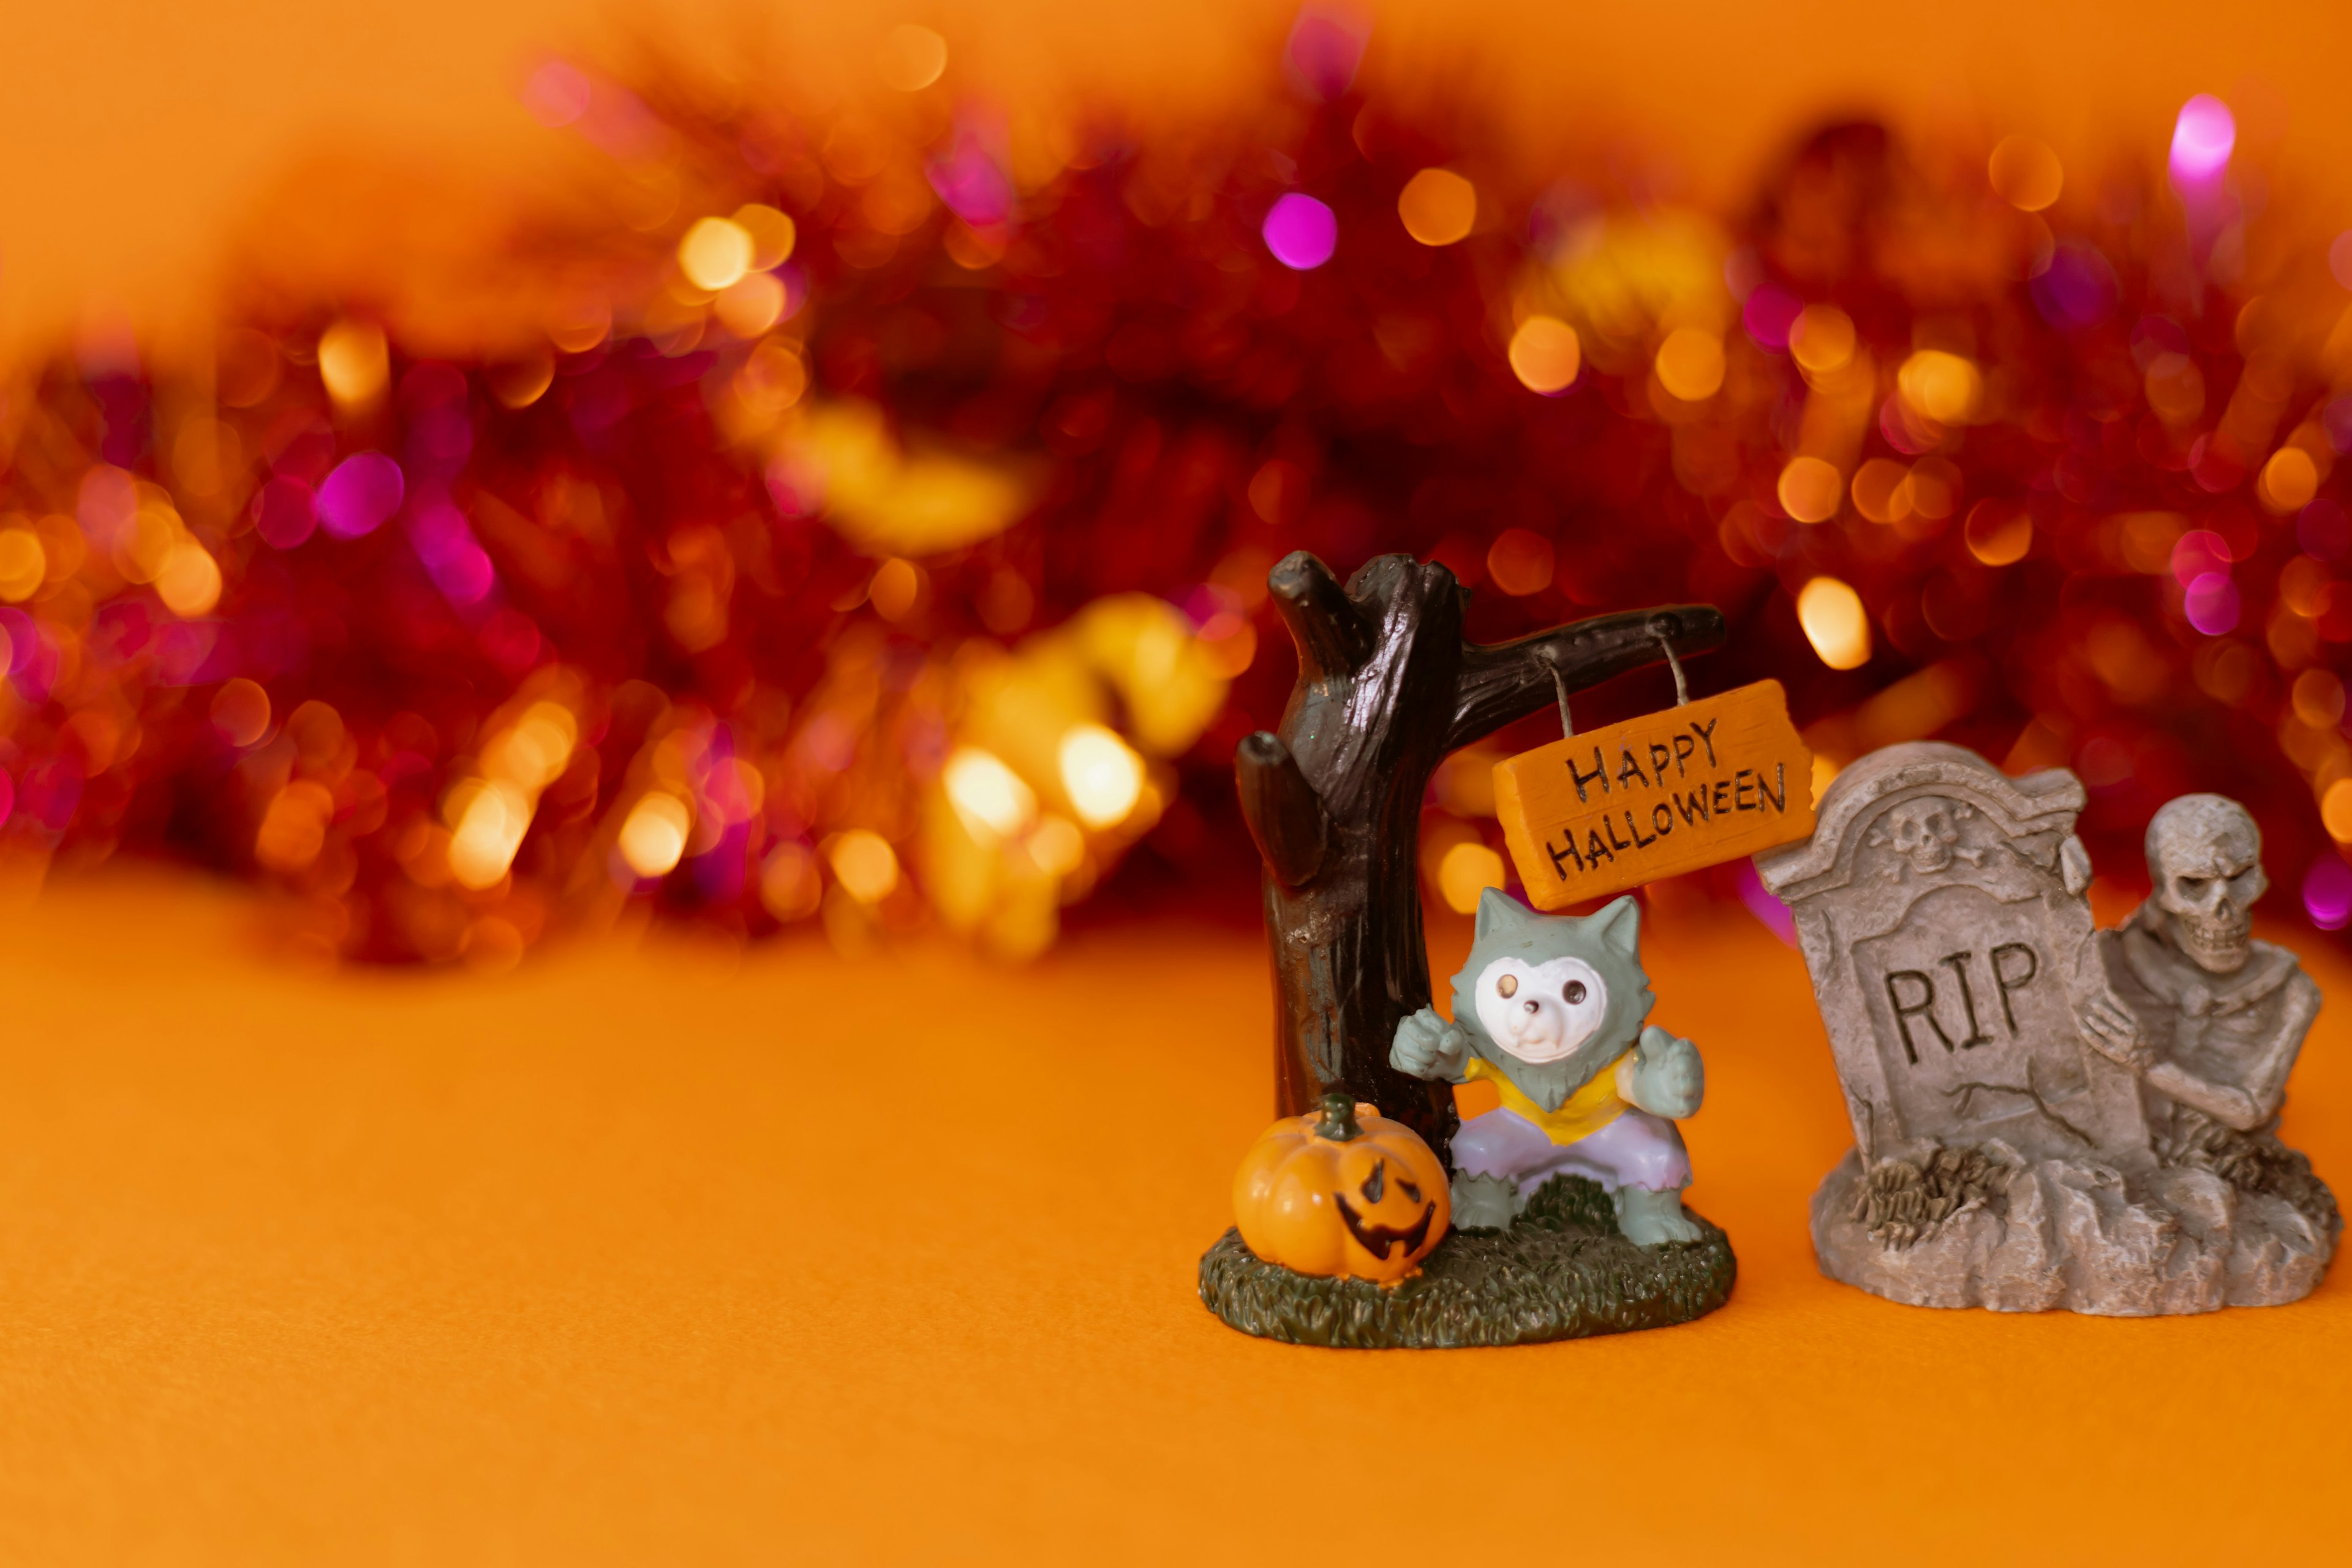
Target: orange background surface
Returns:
[[664, 1254]]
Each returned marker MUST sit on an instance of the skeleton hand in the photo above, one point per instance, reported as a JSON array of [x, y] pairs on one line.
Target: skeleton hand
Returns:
[[1662, 1074], [1428, 1046], [2109, 1026]]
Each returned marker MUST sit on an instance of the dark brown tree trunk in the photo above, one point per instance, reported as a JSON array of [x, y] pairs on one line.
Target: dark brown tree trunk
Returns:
[[1386, 689]]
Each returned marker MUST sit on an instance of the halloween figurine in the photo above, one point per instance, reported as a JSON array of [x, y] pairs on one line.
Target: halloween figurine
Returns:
[[2047, 1115], [1549, 1010], [1575, 1223]]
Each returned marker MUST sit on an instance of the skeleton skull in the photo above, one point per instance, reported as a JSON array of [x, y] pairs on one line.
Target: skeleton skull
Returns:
[[2204, 855], [1925, 831]]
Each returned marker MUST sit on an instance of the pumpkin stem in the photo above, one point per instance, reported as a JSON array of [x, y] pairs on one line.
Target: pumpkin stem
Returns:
[[1339, 1123]]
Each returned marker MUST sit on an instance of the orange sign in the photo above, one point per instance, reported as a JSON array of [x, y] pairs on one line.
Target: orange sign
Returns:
[[1694, 786]]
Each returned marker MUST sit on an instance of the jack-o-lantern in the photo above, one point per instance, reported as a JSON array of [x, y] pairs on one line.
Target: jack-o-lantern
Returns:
[[1345, 1191]]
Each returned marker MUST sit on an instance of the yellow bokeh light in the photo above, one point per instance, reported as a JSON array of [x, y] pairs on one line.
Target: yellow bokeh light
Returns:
[[533, 753], [714, 252], [2025, 173], [865, 865], [750, 305], [24, 564], [354, 364], [1690, 363], [1467, 870], [653, 837], [1056, 846], [1811, 490], [1944, 387], [992, 800], [1821, 339], [2288, 480], [774, 234], [1545, 355], [190, 583], [487, 819], [1101, 774], [2335, 811], [1835, 623], [912, 57], [1438, 206]]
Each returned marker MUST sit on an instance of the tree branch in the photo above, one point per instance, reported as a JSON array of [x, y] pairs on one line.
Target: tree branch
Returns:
[[1324, 622], [1284, 813], [1503, 681]]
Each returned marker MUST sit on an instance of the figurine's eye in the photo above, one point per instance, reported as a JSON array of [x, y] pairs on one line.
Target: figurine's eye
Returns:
[[1409, 1189], [1575, 993], [1509, 986], [1376, 1186], [2192, 884]]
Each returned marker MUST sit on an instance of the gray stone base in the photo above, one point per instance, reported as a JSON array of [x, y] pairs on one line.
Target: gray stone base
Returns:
[[2077, 1234]]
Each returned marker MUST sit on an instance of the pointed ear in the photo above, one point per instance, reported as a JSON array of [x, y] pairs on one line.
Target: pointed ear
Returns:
[[1619, 925], [1497, 909]]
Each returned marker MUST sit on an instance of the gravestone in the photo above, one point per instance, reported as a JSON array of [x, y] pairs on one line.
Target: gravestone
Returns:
[[1997, 1075]]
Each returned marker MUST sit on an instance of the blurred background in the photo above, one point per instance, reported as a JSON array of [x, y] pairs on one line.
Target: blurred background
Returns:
[[481, 472]]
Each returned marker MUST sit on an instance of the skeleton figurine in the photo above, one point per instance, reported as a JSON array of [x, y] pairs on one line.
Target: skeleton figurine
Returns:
[[2220, 1017]]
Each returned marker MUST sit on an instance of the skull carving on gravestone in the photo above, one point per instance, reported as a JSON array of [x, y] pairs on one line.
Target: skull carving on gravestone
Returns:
[[2204, 855], [1923, 831]]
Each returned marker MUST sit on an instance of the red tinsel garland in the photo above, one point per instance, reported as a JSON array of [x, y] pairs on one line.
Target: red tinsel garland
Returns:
[[610, 620]]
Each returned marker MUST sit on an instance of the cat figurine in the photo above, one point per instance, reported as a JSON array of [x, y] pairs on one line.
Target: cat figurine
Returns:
[[1549, 1010]]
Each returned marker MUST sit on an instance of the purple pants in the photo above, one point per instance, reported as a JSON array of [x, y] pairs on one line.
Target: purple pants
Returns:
[[1637, 1150]]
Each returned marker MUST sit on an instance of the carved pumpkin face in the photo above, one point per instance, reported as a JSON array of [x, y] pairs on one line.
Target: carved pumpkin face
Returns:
[[1344, 1192]]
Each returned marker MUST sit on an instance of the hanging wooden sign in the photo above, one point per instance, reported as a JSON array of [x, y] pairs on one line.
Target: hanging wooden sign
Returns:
[[1702, 783]]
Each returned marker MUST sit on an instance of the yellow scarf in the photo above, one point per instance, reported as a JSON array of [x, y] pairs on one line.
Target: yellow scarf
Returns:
[[1580, 1115]]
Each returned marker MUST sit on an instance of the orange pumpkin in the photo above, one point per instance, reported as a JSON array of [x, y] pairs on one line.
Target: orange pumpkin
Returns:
[[1345, 1191]]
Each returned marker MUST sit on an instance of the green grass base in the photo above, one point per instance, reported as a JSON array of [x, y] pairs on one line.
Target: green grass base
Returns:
[[1560, 1272]]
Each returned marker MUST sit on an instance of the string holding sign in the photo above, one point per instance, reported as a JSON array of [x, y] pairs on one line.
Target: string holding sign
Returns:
[[1706, 780]]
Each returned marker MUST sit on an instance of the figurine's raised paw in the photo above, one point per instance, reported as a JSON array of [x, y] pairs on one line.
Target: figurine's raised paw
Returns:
[[1652, 1219], [1663, 1075], [1483, 1202], [1426, 1046]]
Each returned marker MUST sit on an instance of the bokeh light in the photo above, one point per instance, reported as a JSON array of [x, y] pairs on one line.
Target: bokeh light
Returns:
[[653, 837], [1438, 206], [912, 57], [714, 252], [1520, 561], [2327, 892], [1546, 355], [2210, 603], [991, 798], [1100, 774], [1811, 490], [2203, 135], [354, 364], [2025, 173], [1835, 623], [1689, 364], [865, 865], [1465, 873], [1301, 232], [1999, 533]]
